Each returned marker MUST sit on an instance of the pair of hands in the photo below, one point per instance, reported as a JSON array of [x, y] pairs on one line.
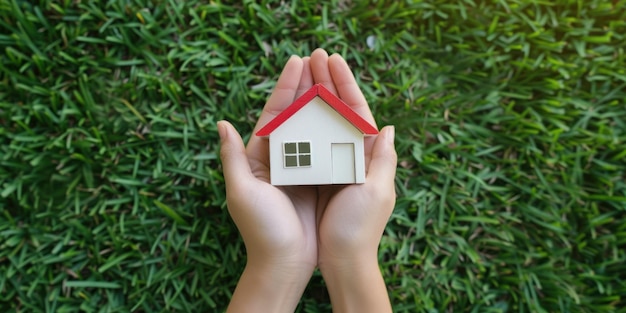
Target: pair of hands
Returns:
[[289, 231]]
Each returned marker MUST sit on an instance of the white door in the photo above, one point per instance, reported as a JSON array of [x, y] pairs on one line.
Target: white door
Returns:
[[343, 163]]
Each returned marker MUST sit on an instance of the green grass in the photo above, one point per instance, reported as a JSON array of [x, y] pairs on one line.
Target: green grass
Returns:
[[511, 134]]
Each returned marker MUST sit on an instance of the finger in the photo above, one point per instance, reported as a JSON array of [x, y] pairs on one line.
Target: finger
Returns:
[[349, 91], [282, 96], [347, 87], [382, 166], [306, 80], [320, 70], [233, 155], [284, 92]]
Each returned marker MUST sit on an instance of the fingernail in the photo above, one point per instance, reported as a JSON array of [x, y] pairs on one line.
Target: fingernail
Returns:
[[221, 130], [321, 50], [391, 134]]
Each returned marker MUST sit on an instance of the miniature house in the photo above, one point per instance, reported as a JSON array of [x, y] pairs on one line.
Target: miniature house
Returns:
[[317, 140]]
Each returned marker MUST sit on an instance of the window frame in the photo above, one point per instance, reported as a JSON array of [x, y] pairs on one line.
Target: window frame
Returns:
[[297, 156]]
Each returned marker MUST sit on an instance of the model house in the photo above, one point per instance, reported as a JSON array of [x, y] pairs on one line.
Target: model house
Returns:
[[317, 140]]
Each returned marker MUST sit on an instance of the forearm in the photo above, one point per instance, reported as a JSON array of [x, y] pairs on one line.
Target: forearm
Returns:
[[264, 288], [356, 286]]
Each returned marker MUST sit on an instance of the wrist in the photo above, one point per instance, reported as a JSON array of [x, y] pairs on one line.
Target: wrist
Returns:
[[269, 287], [281, 271], [346, 269], [346, 260], [285, 265], [356, 285]]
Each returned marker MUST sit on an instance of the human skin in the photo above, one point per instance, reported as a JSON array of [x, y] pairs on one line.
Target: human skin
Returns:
[[288, 231]]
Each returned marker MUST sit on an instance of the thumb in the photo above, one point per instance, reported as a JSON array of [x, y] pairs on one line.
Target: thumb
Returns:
[[382, 167], [233, 154]]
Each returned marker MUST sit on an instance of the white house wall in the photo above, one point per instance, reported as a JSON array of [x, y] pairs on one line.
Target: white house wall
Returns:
[[320, 124]]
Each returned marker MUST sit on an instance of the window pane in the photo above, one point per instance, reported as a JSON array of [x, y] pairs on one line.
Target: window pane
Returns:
[[290, 147], [304, 147], [305, 160], [291, 161]]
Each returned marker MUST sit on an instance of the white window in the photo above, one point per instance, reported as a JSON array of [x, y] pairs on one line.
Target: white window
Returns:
[[297, 154]]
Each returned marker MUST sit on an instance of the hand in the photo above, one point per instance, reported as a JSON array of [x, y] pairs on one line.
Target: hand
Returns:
[[351, 219], [289, 230], [277, 224]]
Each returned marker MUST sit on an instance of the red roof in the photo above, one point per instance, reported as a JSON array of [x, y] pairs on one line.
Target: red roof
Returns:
[[318, 90]]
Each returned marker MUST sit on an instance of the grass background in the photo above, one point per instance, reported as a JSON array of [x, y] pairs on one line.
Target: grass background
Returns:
[[510, 119]]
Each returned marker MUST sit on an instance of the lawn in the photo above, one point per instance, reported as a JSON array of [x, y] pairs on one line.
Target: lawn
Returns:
[[511, 133]]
